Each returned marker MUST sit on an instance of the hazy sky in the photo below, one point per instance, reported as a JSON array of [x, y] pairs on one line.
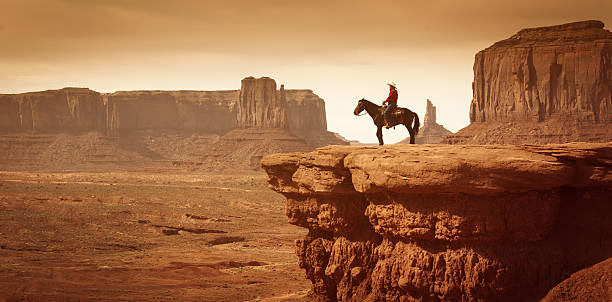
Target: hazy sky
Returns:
[[342, 50]]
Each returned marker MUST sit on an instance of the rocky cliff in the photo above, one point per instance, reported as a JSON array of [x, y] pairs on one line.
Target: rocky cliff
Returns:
[[260, 105], [193, 111], [198, 127], [545, 85], [68, 110], [431, 132], [446, 223], [307, 118], [78, 110]]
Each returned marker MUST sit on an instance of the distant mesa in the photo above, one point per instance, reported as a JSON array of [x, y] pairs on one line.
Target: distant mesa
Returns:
[[543, 85], [261, 105], [431, 132], [229, 128]]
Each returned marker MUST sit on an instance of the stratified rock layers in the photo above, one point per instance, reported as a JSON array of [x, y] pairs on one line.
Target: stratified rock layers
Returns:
[[69, 109], [260, 105], [545, 85], [446, 223], [257, 105], [80, 110]]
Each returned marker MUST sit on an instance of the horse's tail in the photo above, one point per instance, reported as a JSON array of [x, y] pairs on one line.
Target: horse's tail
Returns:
[[417, 124]]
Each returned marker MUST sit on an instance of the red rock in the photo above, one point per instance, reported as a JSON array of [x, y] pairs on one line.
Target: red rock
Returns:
[[591, 284], [193, 111], [257, 104], [446, 223], [260, 105], [69, 110], [431, 132], [210, 130], [543, 85]]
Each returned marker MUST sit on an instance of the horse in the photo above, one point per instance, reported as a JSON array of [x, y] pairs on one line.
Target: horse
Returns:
[[399, 116]]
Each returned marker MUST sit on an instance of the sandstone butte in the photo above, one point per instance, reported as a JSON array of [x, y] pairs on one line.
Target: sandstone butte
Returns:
[[431, 132], [543, 85], [448, 223], [207, 129], [77, 110]]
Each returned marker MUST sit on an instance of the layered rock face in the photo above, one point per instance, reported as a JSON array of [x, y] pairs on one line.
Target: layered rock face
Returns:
[[209, 130], [260, 105], [193, 111], [446, 223], [78, 110], [540, 81], [431, 132], [306, 109], [307, 118], [69, 109]]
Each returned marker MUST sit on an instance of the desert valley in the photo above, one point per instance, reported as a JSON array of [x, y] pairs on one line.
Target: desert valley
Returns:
[[173, 195]]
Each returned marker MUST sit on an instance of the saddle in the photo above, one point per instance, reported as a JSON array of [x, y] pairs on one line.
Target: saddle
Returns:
[[394, 115]]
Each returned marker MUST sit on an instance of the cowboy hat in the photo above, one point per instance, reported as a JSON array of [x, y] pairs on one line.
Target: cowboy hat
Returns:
[[392, 84]]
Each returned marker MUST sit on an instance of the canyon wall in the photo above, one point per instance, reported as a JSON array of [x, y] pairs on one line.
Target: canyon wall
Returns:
[[546, 84], [306, 109], [193, 111], [450, 223], [202, 130], [260, 105], [78, 110], [68, 109]]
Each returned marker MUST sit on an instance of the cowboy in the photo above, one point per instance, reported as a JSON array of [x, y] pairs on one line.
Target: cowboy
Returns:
[[392, 100]]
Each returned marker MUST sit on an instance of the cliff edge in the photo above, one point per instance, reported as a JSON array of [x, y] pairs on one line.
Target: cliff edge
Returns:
[[446, 223]]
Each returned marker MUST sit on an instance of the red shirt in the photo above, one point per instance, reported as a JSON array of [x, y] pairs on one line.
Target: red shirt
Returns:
[[392, 98]]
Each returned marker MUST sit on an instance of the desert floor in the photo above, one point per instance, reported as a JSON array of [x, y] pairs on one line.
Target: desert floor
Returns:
[[145, 236]]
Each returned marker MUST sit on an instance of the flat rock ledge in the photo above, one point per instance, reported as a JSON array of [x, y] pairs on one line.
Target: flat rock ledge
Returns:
[[446, 223]]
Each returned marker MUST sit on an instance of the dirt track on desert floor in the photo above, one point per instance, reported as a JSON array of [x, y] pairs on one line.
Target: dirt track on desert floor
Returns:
[[113, 236]]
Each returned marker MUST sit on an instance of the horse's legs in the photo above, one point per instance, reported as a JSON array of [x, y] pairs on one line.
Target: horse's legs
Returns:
[[411, 131], [379, 135]]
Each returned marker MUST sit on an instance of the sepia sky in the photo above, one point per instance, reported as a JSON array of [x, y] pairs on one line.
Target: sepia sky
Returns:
[[342, 50]]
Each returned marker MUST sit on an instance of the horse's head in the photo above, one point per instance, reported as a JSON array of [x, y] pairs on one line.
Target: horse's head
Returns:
[[360, 106]]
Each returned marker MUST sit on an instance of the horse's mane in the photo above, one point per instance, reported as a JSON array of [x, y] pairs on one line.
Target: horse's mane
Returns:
[[367, 101]]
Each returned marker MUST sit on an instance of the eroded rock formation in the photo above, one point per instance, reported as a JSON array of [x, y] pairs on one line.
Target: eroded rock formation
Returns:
[[545, 85], [79, 110], [260, 105], [450, 223], [69, 110], [193, 111], [587, 285], [431, 132], [209, 130]]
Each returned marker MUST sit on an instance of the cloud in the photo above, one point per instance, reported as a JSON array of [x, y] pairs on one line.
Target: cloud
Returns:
[[65, 28]]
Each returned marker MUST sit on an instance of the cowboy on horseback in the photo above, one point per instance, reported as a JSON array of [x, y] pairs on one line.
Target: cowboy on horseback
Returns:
[[391, 116], [392, 104]]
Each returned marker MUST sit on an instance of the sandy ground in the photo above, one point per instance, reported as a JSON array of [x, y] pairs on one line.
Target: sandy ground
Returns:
[[145, 236]]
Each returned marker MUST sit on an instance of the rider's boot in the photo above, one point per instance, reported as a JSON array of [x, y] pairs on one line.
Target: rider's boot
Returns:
[[387, 124]]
